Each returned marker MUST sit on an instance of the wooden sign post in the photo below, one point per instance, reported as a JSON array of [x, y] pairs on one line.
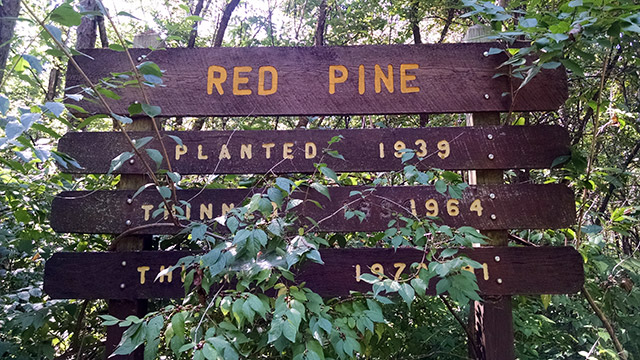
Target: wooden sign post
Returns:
[[399, 79]]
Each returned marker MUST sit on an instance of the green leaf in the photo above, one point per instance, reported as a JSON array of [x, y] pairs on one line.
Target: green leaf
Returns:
[[150, 68], [575, 3], [66, 15], [4, 104], [494, 51], [55, 108], [55, 32], [194, 18], [407, 293], [573, 66], [441, 186], [117, 162], [116, 47], [34, 63], [124, 13], [449, 252], [321, 189], [329, 173], [165, 192], [142, 141], [122, 119], [151, 110], [176, 139], [155, 155], [528, 23], [285, 184]]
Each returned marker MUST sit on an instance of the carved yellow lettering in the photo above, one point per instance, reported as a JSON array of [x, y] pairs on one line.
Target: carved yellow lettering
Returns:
[[310, 150], [180, 150], [380, 77], [201, 156], [169, 275], [452, 207], [381, 149], [404, 78], [274, 80], [357, 273], [334, 79], [287, 151], [267, 147], [206, 210], [432, 207], [400, 267], [422, 148], [188, 211], [147, 211], [361, 87], [226, 208], [142, 270], [238, 80], [224, 153], [377, 269], [216, 80], [485, 271], [245, 151], [444, 148], [413, 207], [399, 145]]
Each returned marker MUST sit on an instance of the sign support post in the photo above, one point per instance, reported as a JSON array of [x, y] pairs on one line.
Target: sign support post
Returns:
[[492, 319]]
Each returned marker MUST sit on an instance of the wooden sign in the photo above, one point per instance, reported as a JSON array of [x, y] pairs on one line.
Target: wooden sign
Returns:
[[391, 79], [262, 151], [131, 275], [489, 207]]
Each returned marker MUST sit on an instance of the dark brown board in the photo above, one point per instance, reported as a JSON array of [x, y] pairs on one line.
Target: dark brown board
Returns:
[[451, 78], [262, 151], [521, 206], [541, 270]]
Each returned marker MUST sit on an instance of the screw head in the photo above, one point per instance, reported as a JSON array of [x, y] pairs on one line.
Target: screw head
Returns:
[[128, 222], [486, 53], [491, 156], [139, 58], [499, 281], [497, 258], [132, 161], [492, 196], [490, 136], [124, 263], [129, 201], [493, 216], [486, 96], [122, 286]]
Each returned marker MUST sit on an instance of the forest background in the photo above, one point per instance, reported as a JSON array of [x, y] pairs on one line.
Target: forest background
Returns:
[[596, 41]]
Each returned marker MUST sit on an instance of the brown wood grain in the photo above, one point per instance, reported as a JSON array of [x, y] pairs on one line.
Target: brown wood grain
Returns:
[[541, 270], [495, 147], [522, 206], [451, 78]]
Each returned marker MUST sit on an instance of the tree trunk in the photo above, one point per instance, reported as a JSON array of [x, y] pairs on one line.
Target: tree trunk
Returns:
[[9, 11], [86, 32], [226, 15], [194, 29], [322, 17]]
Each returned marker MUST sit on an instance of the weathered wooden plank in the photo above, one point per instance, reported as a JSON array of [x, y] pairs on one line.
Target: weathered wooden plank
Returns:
[[488, 207], [130, 275], [373, 79], [262, 151]]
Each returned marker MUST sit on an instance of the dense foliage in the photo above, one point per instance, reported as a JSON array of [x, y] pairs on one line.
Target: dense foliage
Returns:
[[596, 41]]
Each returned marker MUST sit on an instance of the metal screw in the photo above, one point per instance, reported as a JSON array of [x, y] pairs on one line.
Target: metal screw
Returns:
[[139, 58], [124, 263], [497, 258], [486, 96], [132, 161], [490, 137], [499, 281], [492, 196], [486, 53], [491, 156], [129, 201], [122, 286], [493, 216], [128, 222]]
